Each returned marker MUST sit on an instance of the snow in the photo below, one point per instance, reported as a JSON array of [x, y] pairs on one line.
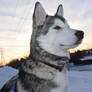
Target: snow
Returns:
[[6, 73], [86, 58], [79, 81], [80, 68]]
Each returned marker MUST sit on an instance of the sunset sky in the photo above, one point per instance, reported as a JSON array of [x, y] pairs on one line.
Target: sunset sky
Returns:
[[16, 23]]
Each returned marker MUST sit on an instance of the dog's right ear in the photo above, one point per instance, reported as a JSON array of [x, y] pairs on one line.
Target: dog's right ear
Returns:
[[39, 14]]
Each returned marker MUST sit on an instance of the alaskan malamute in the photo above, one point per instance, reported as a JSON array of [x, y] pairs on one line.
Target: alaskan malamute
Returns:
[[46, 68]]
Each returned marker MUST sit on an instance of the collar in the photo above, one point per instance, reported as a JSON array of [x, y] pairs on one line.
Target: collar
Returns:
[[57, 67]]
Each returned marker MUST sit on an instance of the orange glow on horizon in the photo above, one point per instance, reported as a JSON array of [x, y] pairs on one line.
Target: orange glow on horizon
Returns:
[[13, 59], [24, 52]]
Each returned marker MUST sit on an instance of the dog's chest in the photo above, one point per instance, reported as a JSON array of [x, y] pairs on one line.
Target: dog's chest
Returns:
[[62, 82]]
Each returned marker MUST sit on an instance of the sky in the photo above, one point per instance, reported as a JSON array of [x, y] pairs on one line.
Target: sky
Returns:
[[16, 23]]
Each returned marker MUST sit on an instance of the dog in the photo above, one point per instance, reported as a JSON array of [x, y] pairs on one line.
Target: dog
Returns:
[[46, 68]]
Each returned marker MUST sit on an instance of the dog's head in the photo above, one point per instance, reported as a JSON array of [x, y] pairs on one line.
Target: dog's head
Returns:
[[53, 33]]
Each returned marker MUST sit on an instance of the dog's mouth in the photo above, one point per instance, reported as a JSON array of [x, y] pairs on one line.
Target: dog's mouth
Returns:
[[79, 36], [75, 44]]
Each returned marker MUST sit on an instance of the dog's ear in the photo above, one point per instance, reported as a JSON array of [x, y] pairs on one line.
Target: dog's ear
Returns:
[[39, 14], [60, 11]]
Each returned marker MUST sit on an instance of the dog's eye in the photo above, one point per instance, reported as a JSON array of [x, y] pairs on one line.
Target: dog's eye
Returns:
[[57, 27]]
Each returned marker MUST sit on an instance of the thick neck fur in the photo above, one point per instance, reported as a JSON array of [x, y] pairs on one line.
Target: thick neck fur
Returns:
[[39, 75], [34, 66]]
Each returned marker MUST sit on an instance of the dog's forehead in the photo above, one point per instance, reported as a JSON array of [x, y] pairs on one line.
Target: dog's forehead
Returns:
[[58, 22], [61, 18], [55, 20], [50, 20]]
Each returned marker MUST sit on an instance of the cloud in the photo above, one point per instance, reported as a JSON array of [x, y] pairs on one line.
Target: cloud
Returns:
[[88, 14], [13, 3], [15, 8]]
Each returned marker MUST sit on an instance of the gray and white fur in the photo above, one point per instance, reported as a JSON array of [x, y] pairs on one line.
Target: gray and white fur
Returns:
[[51, 38]]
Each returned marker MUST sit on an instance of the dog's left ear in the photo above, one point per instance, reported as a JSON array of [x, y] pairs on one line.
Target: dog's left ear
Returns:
[[60, 11]]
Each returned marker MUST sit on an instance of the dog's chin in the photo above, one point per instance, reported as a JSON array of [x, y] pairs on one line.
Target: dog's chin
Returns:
[[66, 47]]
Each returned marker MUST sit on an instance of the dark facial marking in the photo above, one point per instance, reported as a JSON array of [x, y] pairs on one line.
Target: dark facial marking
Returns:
[[49, 21], [61, 18], [57, 27]]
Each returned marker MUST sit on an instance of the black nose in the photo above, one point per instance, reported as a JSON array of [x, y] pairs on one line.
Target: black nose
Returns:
[[79, 34]]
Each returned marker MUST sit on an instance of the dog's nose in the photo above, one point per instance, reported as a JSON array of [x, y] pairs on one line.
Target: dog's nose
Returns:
[[79, 34]]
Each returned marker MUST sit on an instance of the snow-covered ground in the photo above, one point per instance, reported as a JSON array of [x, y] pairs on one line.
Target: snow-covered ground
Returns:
[[80, 78], [80, 68], [79, 81]]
